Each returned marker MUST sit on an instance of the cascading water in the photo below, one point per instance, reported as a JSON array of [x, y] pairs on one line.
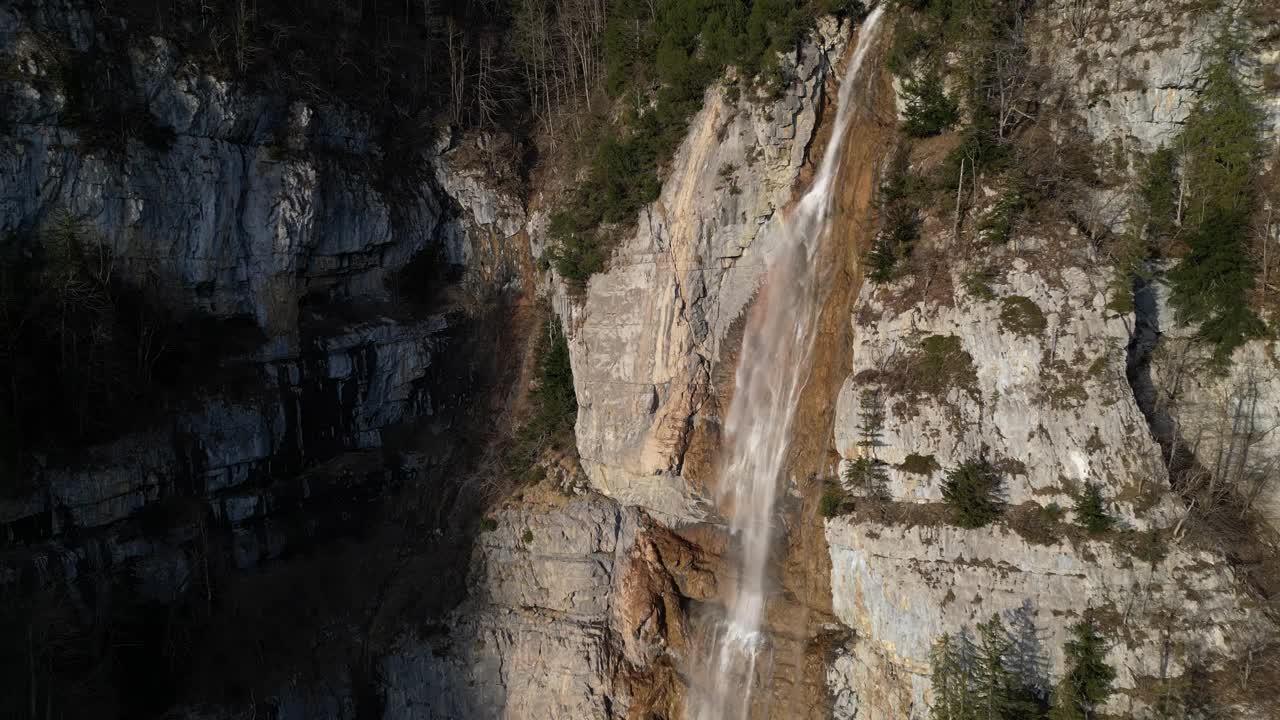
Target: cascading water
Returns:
[[772, 370]]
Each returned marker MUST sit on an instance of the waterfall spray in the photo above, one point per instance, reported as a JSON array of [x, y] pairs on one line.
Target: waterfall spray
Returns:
[[772, 370]]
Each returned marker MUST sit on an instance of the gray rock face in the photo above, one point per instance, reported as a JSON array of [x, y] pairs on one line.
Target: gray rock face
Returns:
[[1226, 416], [538, 637], [248, 208], [534, 640], [338, 396], [1133, 68], [1033, 378], [1020, 359], [648, 331], [900, 588]]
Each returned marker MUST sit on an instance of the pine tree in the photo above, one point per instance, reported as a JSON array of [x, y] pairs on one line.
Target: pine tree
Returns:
[[996, 684], [973, 492], [929, 110], [953, 662], [868, 473], [868, 476], [1222, 146], [1158, 193], [1091, 512], [1087, 682], [870, 419], [899, 206]]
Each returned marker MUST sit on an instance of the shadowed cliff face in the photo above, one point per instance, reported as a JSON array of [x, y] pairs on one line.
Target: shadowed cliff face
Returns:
[[300, 324]]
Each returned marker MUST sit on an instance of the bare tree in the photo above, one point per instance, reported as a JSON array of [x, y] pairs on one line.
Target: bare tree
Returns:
[[1081, 15]]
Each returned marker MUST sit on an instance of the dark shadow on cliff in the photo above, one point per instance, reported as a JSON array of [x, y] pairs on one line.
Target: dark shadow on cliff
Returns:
[[356, 550], [1217, 515]]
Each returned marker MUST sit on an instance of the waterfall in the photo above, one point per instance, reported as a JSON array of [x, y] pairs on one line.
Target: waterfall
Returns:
[[772, 370]]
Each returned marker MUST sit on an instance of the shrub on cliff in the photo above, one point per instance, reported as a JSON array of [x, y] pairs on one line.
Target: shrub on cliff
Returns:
[[831, 503], [929, 109], [972, 490], [1020, 315], [1091, 511], [553, 406]]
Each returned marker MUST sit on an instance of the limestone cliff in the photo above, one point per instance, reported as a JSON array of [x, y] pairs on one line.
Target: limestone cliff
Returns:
[[649, 333], [1013, 353], [368, 304]]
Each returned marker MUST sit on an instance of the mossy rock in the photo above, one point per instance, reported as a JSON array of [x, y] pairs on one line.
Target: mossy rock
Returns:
[[943, 363], [1021, 316], [919, 464]]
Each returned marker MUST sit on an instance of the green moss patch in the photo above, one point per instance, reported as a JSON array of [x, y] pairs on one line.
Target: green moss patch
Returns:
[[1021, 316], [919, 464]]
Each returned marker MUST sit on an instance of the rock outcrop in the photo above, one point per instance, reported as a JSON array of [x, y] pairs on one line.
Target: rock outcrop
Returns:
[[901, 586], [1016, 354], [648, 333], [1024, 366], [233, 206]]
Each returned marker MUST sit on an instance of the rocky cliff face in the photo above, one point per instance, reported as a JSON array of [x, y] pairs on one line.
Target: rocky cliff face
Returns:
[[349, 301], [650, 333], [1035, 380], [1013, 354], [378, 289]]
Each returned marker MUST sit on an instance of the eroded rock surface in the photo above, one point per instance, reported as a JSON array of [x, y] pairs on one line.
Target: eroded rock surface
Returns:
[[647, 333]]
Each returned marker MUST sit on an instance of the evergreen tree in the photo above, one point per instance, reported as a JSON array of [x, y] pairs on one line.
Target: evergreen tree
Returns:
[[899, 206], [929, 109], [998, 678], [1091, 512], [953, 663], [1222, 147], [996, 689], [870, 419], [973, 492], [1158, 193], [1087, 682], [868, 473], [868, 476]]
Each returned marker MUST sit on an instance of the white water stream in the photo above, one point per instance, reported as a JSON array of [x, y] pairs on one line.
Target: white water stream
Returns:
[[773, 367]]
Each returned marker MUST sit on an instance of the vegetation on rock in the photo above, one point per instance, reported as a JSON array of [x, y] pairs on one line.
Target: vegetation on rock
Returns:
[[1021, 316], [554, 407], [943, 363], [1086, 684], [929, 109], [831, 504], [1222, 148], [900, 201], [658, 62], [972, 491], [997, 678], [1002, 676], [1091, 511]]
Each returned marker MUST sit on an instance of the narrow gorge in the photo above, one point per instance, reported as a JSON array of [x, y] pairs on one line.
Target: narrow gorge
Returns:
[[677, 360]]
